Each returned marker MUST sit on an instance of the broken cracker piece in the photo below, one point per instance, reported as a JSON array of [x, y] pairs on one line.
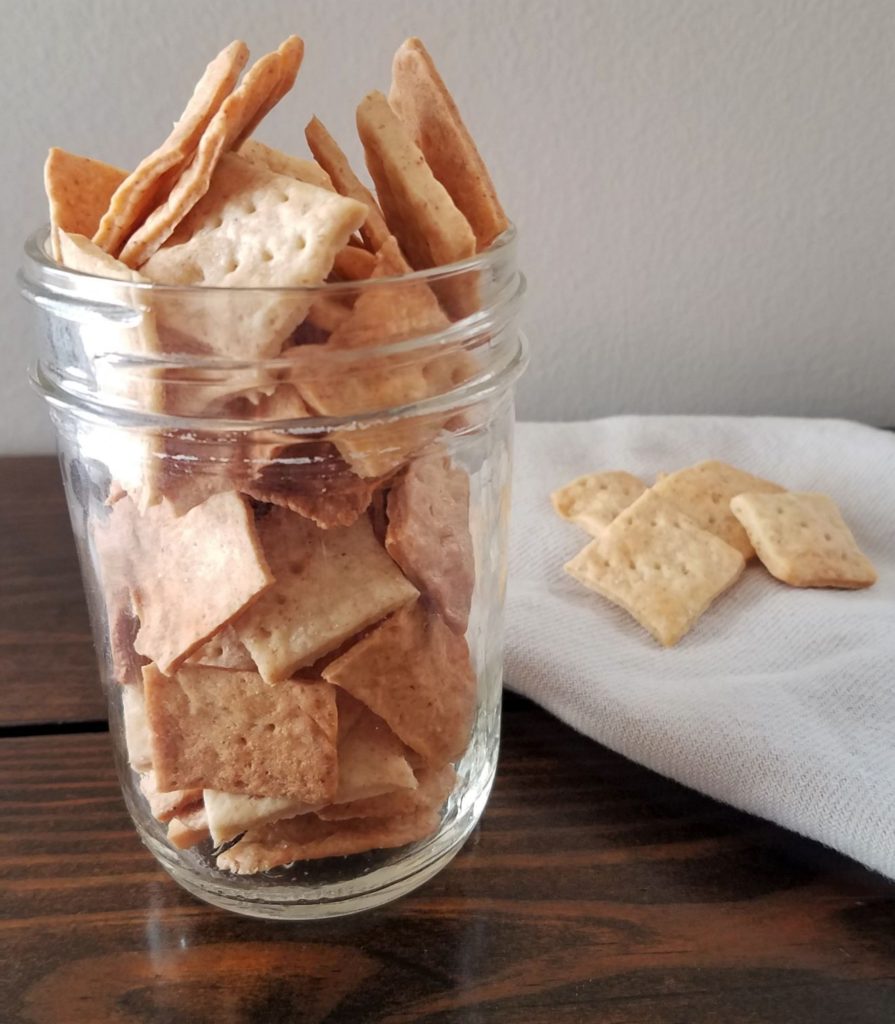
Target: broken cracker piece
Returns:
[[658, 565], [231, 814], [230, 731], [188, 830], [166, 805], [330, 584], [704, 491], [802, 539], [594, 500], [433, 788], [78, 190]]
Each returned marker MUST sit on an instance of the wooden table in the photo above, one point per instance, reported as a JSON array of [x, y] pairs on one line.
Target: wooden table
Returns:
[[593, 890]]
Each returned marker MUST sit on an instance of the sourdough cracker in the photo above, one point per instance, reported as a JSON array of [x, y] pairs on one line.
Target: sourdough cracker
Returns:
[[594, 500], [704, 492], [428, 535], [136, 727], [78, 190], [223, 650], [416, 675], [433, 786], [168, 804], [290, 54], [140, 191], [231, 814], [372, 760], [188, 830], [421, 99], [330, 584], [659, 566], [277, 162], [354, 264], [802, 539], [230, 731]]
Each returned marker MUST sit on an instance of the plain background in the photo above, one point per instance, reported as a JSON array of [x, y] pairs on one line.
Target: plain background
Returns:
[[705, 189]]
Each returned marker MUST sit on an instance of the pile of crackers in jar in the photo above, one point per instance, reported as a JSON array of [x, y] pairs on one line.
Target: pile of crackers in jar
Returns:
[[289, 647]]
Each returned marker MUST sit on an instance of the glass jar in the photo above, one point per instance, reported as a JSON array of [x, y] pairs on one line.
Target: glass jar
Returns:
[[294, 564]]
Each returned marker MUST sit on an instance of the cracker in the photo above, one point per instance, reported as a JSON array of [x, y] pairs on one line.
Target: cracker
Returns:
[[802, 539], [231, 814], [230, 731], [188, 830], [136, 727], [416, 674], [167, 805], [238, 110], [139, 192], [433, 788], [278, 162], [593, 501], [428, 535], [372, 760], [658, 565], [417, 208], [78, 190], [290, 238], [422, 101], [191, 575], [223, 650], [374, 230], [127, 665], [354, 264], [704, 491], [291, 53], [330, 584], [309, 838]]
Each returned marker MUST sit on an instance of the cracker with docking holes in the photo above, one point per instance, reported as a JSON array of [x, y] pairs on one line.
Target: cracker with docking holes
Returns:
[[594, 500]]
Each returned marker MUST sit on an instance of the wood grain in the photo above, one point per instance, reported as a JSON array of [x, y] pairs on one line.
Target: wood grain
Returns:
[[47, 664], [593, 890]]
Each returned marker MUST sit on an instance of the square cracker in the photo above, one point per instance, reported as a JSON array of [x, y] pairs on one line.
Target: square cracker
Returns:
[[330, 584], [422, 101], [428, 535], [78, 190], [659, 566], [594, 500], [416, 674], [290, 237], [278, 162], [803, 540], [704, 491], [309, 838], [230, 731]]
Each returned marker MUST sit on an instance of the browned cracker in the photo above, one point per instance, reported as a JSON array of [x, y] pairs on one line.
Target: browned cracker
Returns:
[[78, 190], [415, 673], [354, 264], [277, 162], [155, 174], [593, 501], [372, 760], [418, 210], [291, 53], [428, 535], [223, 650], [434, 787], [422, 101], [802, 539], [658, 565], [188, 830], [309, 838], [330, 584], [290, 238], [704, 491], [374, 230], [168, 805], [214, 729]]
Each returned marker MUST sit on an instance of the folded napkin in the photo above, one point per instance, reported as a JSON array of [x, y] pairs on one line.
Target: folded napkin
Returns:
[[780, 701]]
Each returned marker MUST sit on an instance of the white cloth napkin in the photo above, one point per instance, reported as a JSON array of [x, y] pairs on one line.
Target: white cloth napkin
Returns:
[[780, 701]]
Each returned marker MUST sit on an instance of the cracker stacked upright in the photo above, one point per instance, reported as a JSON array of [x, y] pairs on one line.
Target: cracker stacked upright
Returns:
[[287, 617]]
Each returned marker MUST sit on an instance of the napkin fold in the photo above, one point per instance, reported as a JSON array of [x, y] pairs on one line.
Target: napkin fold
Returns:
[[780, 701]]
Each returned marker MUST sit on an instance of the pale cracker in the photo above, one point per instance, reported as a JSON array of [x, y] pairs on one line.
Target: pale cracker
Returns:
[[658, 565], [704, 491], [192, 574], [422, 101], [136, 727], [139, 192], [231, 814], [330, 584], [78, 190], [416, 674], [431, 230], [374, 230], [166, 805], [214, 729], [802, 539], [223, 650], [433, 788], [594, 500], [278, 162], [428, 535], [188, 830], [290, 238], [308, 838]]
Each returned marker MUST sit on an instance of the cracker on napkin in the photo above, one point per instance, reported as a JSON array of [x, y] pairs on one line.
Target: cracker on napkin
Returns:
[[594, 500], [416, 674], [802, 539], [330, 584], [704, 491], [658, 565], [231, 731], [78, 190]]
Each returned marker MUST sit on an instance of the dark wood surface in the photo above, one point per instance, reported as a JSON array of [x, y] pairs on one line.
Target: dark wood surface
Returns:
[[593, 890]]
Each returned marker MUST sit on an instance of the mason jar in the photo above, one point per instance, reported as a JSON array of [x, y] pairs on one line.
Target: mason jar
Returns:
[[290, 507]]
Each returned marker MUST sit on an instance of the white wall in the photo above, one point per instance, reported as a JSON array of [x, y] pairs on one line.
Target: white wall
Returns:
[[705, 189]]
